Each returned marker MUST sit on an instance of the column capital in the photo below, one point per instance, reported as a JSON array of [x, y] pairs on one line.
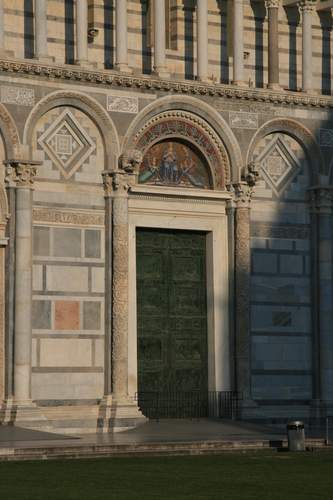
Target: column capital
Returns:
[[272, 4], [20, 173], [241, 194], [119, 181], [321, 200], [306, 5]]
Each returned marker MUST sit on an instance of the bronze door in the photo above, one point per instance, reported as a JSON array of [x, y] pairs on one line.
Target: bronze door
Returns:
[[171, 310]]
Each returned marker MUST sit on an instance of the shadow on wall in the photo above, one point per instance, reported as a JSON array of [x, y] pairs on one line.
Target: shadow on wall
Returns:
[[69, 32], [293, 17], [146, 51], [259, 12], [224, 69], [29, 40], [109, 28], [189, 8], [326, 28]]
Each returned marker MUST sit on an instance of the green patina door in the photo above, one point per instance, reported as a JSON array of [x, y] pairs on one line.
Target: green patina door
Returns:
[[171, 311]]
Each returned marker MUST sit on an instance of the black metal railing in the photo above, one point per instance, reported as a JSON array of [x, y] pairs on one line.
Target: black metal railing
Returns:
[[190, 404]]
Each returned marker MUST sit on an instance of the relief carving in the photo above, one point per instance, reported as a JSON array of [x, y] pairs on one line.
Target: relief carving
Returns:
[[321, 201], [20, 174], [12, 130], [67, 217]]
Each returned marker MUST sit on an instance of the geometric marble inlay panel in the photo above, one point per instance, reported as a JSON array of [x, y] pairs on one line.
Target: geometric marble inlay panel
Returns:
[[66, 143], [279, 162]]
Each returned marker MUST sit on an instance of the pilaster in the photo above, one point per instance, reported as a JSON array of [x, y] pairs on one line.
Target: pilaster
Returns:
[[117, 410], [18, 408], [321, 209]]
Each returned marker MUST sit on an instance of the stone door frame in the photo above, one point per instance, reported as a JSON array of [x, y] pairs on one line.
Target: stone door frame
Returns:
[[186, 209]]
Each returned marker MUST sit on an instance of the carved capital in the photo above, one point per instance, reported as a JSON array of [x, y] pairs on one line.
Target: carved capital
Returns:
[[118, 183], [272, 4], [241, 194], [306, 5], [20, 174], [321, 200]]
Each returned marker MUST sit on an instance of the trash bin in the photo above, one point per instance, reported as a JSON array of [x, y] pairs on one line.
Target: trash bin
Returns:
[[296, 436]]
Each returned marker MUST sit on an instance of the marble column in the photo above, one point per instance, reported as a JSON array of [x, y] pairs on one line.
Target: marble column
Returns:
[[238, 44], [117, 409], [121, 37], [19, 408], [160, 68], [322, 206], [273, 43], [202, 40], [306, 7], [4, 216], [81, 33], [41, 32]]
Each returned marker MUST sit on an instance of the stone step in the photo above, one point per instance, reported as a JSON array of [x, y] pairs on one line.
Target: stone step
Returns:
[[89, 451]]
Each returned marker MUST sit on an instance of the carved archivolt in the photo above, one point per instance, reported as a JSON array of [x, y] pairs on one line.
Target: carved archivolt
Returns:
[[198, 109], [87, 105], [12, 131], [188, 127], [296, 130]]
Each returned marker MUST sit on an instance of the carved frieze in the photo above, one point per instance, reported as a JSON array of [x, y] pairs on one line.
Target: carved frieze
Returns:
[[194, 88], [293, 233], [20, 97], [74, 218]]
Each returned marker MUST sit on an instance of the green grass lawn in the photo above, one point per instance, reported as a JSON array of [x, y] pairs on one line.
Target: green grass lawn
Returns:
[[261, 475]]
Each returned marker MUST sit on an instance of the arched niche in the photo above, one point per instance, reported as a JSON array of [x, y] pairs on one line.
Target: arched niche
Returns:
[[202, 160]]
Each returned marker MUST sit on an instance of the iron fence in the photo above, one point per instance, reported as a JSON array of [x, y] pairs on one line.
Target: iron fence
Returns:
[[190, 404]]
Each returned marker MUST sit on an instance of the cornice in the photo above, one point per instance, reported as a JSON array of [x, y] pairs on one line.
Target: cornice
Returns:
[[110, 78]]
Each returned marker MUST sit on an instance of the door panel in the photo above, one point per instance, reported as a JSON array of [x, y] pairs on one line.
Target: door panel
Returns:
[[171, 310]]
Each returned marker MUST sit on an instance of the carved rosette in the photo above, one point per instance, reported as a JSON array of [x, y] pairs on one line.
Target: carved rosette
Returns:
[[321, 201], [306, 5], [20, 174]]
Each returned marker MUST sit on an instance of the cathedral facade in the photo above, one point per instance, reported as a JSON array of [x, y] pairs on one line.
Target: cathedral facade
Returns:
[[166, 191]]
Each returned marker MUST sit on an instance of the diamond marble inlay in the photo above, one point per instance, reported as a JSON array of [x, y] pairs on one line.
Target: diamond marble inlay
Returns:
[[66, 143], [279, 164]]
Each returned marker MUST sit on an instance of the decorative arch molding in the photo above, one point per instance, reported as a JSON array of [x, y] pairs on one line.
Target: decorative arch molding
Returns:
[[87, 105], [9, 132], [300, 133], [201, 110], [184, 126]]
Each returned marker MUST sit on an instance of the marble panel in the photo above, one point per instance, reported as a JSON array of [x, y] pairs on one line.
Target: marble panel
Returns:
[[67, 315], [37, 278], [92, 243], [97, 279], [91, 315], [41, 239], [264, 263], [41, 314], [67, 242], [66, 279], [65, 352]]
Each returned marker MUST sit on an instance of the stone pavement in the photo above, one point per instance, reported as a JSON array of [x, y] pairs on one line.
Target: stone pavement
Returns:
[[164, 437]]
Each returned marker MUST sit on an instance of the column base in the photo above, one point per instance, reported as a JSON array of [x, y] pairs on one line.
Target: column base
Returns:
[[24, 413], [44, 59], [84, 63], [204, 79], [123, 68], [118, 413], [274, 86], [161, 72], [239, 83]]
